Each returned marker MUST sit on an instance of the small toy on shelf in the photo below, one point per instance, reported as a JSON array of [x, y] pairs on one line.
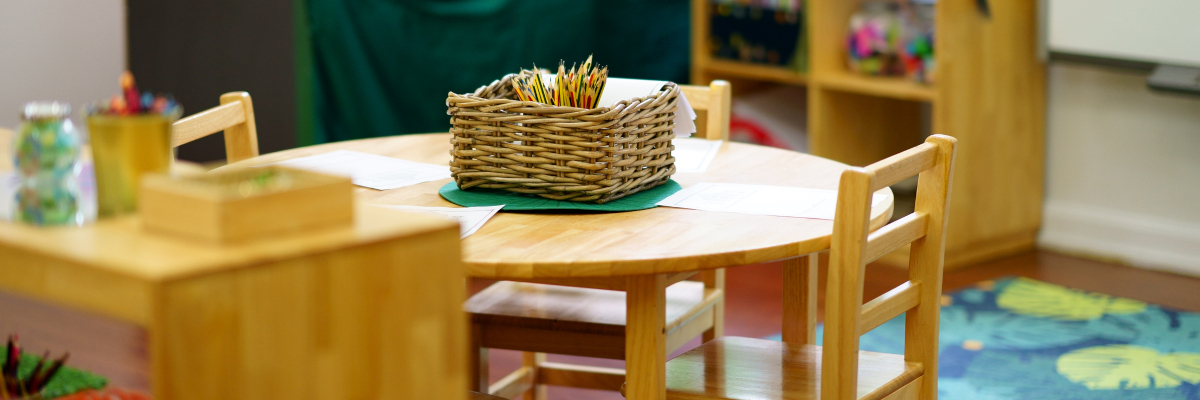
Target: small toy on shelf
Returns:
[[873, 45], [893, 39]]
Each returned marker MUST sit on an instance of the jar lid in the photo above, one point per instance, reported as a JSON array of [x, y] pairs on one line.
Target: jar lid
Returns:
[[45, 110]]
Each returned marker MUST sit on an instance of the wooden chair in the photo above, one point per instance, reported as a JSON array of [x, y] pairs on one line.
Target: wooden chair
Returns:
[[744, 368], [587, 318], [235, 116]]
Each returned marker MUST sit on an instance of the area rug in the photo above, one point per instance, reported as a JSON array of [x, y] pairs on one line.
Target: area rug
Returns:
[[1019, 338]]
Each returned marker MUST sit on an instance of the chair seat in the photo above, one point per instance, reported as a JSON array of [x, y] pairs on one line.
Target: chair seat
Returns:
[[562, 308], [757, 369]]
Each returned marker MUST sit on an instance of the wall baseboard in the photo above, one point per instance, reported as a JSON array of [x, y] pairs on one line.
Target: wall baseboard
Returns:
[[1135, 239]]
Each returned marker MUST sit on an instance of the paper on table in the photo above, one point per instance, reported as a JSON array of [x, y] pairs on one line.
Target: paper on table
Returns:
[[617, 89], [694, 154], [761, 199], [370, 170], [470, 219]]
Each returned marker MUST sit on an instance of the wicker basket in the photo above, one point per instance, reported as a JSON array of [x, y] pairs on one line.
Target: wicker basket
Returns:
[[561, 153]]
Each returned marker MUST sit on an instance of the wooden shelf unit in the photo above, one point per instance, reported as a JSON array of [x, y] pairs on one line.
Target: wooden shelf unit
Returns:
[[895, 88], [989, 92], [759, 72]]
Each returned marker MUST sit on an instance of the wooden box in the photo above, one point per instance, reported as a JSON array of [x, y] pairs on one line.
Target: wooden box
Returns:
[[245, 204]]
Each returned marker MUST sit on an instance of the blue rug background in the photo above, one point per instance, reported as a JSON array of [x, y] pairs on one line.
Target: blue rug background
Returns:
[[1019, 338]]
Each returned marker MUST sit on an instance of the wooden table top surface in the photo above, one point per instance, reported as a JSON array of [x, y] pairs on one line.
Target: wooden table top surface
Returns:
[[120, 245], [524, 245]]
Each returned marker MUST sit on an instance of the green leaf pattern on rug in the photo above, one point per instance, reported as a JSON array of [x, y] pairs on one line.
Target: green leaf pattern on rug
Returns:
[[1128, 367], [1111, 349], [1039, 299], [1004, 331]]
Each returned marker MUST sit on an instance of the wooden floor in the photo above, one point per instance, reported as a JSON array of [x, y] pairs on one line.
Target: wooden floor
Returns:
[[117, 350]]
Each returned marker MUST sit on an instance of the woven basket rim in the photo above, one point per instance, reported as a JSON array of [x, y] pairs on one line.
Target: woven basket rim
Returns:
[[476, 96]]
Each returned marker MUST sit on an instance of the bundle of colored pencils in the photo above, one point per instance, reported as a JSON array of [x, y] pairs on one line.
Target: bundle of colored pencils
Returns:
[[579, 87]]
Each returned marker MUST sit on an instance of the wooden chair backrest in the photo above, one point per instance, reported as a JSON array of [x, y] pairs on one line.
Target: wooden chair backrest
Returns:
[[712, 104], [846, 317], [235, 116]]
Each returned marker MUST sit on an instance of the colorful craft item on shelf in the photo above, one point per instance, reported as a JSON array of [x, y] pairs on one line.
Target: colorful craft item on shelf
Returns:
[[874, 40], [917, 57], [893, 39], [13, 386], [578, 87], [132, 102]]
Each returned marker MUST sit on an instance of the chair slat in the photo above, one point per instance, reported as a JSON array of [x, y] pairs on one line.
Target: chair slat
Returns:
[[514, 384], [901, 166], [580, 376], [210, 121], [889, 305], [894, 236], [697, 96], [711, 296]]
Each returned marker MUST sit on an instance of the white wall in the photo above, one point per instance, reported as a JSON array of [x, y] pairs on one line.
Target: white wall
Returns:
[[1123, 169], [67, 50]]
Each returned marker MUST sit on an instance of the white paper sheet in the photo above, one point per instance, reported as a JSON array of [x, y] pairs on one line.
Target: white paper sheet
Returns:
[[370, 170], [760, 199], [692, 155], [470, 219], [617, 89]]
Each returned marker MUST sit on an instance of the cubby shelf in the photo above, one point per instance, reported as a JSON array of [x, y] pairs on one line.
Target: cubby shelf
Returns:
[[896, 88], [990, 94], [761, 72]]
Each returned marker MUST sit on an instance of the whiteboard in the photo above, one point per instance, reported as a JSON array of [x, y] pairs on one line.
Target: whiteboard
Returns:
[[1156, 31]]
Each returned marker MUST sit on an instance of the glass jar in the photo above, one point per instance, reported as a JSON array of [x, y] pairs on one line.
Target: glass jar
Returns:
[[46, 151]]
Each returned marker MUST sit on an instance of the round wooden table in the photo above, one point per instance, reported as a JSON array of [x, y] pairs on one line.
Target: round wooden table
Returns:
[[518, 245], [640, 252]]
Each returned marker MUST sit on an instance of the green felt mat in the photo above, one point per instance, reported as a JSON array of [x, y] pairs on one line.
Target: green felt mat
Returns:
[[527, 202], [67, 381]]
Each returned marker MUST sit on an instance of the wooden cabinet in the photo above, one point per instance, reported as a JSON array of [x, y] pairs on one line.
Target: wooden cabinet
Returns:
[[989, 93], [371, 310]]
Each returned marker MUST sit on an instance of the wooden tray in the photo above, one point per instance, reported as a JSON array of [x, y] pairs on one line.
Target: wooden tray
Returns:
[[245, 204]]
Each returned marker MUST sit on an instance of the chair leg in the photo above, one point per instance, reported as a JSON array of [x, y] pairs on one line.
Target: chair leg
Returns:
[[715, 279], [533, 361], [478, 378], [800, 300]]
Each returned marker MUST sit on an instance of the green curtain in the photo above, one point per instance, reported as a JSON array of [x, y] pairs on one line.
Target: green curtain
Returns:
[[384, 67]]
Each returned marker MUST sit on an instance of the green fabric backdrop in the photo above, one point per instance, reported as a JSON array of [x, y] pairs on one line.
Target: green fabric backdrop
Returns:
[[383, 67]]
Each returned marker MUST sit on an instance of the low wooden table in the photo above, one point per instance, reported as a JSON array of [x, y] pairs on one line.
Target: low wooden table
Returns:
[[322, 314], [641, 252]]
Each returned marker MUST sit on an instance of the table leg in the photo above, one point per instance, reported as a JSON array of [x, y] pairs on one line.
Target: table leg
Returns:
[[645, 338], [800, 299]]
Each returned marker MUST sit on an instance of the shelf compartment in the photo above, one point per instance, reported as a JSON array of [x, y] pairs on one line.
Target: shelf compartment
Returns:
[[896, 88], [737, 69]]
